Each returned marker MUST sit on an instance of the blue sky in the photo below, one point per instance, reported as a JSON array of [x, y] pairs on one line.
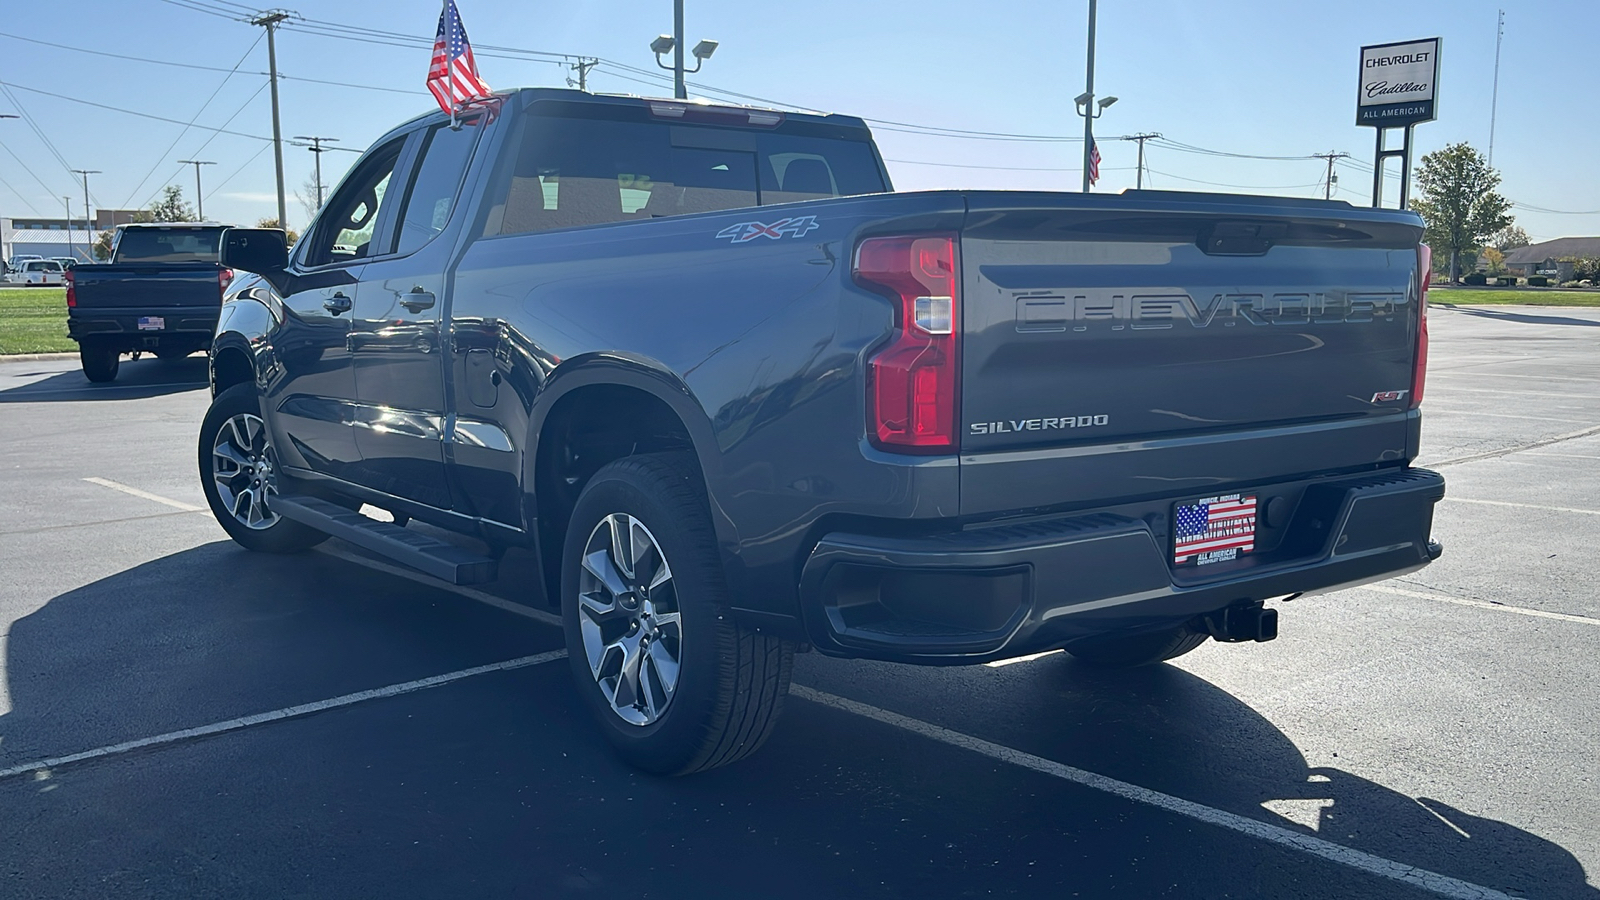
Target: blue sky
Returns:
[[1265, 78]]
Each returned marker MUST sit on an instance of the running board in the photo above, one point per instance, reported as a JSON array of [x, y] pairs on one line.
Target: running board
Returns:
[[438, 558]]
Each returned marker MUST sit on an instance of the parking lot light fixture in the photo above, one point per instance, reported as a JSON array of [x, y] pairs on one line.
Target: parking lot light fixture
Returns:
[[673, 43]]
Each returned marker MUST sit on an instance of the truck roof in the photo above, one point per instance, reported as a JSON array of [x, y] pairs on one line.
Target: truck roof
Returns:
[[530, 95]]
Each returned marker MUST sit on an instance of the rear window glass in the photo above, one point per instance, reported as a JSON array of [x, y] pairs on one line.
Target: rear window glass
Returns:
[[572, 172], [44, 267], [164, 245]]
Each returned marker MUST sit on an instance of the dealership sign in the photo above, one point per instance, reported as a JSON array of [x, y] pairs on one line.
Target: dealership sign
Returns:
[[1399, 83]]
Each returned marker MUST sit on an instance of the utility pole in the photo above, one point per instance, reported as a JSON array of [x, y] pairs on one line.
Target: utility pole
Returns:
[[270, 22], [1088, 92], [199, 199], [86, 173], [582, 67], [1494, 98], [317, 148], [1327, 184], [71, 251], [1141, 138]]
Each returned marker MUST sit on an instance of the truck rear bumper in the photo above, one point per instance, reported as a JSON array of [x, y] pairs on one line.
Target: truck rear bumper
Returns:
[[995, 592], [188, 326]]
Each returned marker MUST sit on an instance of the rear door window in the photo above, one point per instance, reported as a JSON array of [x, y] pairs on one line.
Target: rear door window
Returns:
[[572, 172], [435, 187]]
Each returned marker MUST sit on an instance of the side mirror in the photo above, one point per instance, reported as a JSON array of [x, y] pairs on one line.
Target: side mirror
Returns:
[[263, 251]]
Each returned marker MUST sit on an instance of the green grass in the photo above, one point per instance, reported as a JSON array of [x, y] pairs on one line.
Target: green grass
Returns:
[[1530, 297], [34, 320]]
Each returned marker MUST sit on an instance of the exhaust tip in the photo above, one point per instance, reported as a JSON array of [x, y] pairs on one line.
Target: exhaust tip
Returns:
[[1435, 549]]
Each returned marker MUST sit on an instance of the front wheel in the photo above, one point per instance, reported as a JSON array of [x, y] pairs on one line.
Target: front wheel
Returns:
[[238, 472], [674, 683]]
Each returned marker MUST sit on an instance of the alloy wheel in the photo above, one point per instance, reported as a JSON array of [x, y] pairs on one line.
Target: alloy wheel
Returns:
[[241, 467], [629, 619]]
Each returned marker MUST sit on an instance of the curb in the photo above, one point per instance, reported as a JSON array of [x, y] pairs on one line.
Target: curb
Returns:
[[36, 357]]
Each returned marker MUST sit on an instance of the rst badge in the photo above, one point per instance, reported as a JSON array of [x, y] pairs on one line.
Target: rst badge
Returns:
[[1386, 396], [744, 232]]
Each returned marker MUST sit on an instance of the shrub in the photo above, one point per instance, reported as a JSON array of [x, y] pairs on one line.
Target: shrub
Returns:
[[1475, 278], [1538, 281]]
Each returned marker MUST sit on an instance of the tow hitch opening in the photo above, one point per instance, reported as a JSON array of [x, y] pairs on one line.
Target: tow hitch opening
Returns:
[[1251, 622]]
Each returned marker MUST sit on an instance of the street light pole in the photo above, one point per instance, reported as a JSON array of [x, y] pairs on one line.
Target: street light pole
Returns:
[[1088, 92], [270, 22], [86, 173], [199, 199], [673, 43], [317, 148], [71, 247]]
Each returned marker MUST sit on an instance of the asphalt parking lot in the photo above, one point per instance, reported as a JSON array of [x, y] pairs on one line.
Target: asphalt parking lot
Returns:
[[181, 718]]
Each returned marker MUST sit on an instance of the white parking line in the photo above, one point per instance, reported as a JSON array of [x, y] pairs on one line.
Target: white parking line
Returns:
[[1532, 445], [1443, 885], [1480, 604], [115, 486], [288, 712], [1565, 509]]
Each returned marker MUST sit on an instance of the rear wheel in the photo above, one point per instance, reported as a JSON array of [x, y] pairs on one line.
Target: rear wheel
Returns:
[[1128, 651], [675, 685], [100, 360], [238, 472]]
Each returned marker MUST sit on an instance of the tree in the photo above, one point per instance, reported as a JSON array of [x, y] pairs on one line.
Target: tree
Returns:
[[273, 223], [1494, 259], [172, 207], [306, 193], [1509, 238], [1459, 203]]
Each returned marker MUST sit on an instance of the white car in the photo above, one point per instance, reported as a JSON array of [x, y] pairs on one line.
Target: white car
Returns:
[[37, 272]]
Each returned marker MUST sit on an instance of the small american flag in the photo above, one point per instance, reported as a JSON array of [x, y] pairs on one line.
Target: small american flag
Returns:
[[1217, 523], [453, 74], [1094, 161]]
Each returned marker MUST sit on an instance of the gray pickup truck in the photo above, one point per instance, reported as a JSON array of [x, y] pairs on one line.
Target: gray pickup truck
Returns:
[[160, 293], [740, 400]]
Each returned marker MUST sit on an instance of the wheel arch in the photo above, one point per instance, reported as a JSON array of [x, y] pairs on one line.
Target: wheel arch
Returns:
[[596, 409]]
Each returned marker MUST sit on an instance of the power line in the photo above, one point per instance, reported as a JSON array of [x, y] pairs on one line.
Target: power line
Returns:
[[192, 120], [1556, 212], [142, 115], [242, 107]]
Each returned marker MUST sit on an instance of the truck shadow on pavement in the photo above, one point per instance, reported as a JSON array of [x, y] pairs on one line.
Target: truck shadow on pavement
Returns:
[[1521, 318], [214, 632], [148, 377]]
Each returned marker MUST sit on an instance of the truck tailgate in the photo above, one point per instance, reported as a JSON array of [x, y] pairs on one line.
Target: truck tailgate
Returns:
[[148, 286], [1240, 336]]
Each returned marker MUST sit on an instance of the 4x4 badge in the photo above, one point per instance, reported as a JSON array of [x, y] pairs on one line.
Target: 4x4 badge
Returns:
[[749, 231]]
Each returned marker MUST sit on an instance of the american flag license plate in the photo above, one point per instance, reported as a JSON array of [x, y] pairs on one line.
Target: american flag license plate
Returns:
[[152, 323], [1213, 530]]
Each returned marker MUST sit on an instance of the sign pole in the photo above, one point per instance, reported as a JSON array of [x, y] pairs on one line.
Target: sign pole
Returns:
[[1377, 171], [1399, 87]]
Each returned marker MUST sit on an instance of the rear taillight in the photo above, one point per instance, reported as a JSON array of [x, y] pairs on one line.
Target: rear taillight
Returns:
[[914, 383], [72, 289], [1419, 375], [224, 278]]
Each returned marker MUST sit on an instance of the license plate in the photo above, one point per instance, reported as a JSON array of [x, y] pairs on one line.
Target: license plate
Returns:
[[152, 323], [1213, 530]]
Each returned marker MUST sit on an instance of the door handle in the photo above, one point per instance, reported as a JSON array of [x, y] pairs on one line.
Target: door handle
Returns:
[[418, 300], [337, 304]]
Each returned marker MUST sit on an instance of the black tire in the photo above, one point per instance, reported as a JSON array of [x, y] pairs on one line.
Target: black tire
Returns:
[[100, 360], [1128, 651], [731, 682], [271, 534]]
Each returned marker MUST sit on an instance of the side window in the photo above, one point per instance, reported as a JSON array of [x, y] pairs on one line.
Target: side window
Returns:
[[433, 192], [344, 230]]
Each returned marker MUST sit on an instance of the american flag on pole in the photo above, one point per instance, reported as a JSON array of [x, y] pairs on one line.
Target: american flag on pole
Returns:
[[1094, 161], [453, 74], [1215, 525]]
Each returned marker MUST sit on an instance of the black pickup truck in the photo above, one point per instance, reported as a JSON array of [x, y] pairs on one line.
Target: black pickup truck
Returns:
[[160, 293], [740, 399]]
